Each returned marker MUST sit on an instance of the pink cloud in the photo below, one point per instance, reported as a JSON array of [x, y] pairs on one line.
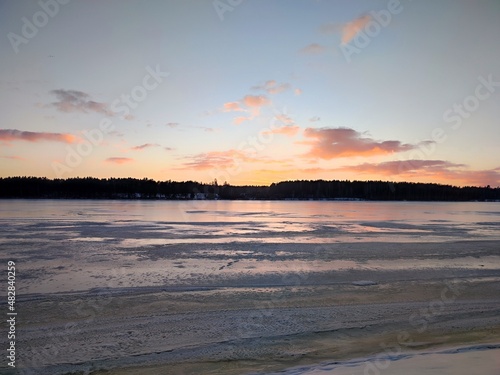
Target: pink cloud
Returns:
[[229, 159], [279, 88], [405, 167], [13, 158], [270, 84], [431, 170], [313, 49], [329, 143], [351, 29], [256, 101], [18, 135], [232, 107], [118, 160], [289, 130], [285, 119], [241, 119], [215, 160]]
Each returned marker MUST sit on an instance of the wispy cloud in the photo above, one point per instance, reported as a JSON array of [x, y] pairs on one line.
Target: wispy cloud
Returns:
[[433, 170], [288, 130], [273, 87], [297, 91], [329, 143], [253, 104], [145, 145], [215, 160], [78, 101], [398, 167], [352, 28], [284, 119], [314, 119], [232, 107], [330, 28], [241, 119], [228, 159], [313, 49], [116, 133], [118, 160], [180, 127], [13, 158], [19, 135]]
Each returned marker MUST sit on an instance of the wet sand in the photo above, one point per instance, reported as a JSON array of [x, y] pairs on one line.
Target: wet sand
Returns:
[[226, 314]]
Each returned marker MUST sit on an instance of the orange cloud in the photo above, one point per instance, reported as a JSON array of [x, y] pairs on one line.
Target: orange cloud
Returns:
[[289, 130], [269, 84], [279, 88], [287, 120], [117, 160], [229, 159], [297, 91], [329, 143], [483, 178], [351, 29], [239, 120], [430, 170], [13, 158], [313, 49], [253, 102], [18, 135], [215, 160], [404, 167], [256, 101], [232, 106]]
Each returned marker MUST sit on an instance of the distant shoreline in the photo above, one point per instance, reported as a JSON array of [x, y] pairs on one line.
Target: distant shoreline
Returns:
[[299, 190], [250, 199]]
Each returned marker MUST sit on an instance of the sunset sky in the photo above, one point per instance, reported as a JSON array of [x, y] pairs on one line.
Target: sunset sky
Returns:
[[252, 91]]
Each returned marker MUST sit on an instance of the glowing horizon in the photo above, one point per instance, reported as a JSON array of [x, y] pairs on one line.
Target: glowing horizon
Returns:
[[251, 94]]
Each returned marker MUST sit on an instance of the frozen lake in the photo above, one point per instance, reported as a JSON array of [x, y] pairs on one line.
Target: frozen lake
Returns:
[[68, 245], [104, 284]]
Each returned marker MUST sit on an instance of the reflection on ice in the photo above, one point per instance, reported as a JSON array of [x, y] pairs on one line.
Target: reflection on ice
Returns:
[[161, 242]]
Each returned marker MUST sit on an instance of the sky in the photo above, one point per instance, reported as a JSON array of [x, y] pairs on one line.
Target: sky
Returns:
[[251, 92]]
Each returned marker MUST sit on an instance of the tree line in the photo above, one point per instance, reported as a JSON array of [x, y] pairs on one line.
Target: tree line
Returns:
[[132, 188]]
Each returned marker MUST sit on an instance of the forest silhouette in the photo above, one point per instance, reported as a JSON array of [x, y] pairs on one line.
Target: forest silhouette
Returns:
[[132, 188]]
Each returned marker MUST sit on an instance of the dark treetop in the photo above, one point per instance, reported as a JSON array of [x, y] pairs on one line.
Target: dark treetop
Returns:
[[131, 188]]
